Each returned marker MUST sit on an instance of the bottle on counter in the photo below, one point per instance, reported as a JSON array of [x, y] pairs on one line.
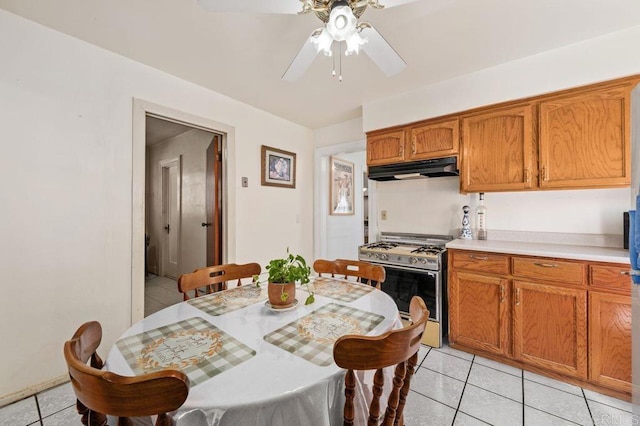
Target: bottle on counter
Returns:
[[481, 218]]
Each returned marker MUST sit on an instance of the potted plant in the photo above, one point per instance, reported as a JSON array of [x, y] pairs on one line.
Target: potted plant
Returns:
[[282, 277]]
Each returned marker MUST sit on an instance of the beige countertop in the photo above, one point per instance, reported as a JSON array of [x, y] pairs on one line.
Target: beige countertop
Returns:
[[565, 251]]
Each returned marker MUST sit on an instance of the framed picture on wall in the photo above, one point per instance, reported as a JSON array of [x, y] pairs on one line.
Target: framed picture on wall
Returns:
[[341, 187], [278, 167]]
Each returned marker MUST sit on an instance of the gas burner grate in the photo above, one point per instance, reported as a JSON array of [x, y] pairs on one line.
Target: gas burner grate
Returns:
[[428, 250], [382, 245]]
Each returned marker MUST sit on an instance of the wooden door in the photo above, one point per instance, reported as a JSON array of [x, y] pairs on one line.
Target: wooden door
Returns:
[[610, 340], [434, 140], [498, 150], [386, 147], [171, 184], [213, 200], [550, 327], [585, 140], [478, 311]]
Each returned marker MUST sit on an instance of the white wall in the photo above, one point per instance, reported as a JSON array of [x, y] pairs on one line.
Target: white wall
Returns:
[[66, 216], [191, 146], [437, 202]]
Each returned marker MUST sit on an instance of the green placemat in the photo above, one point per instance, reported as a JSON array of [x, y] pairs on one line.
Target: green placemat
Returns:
[[195, 347], [229, 300], [312, 336], [340, 290]]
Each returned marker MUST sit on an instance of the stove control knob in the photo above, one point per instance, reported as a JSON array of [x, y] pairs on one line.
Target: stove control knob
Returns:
[[413, 260], [423, 261], [383, 256]]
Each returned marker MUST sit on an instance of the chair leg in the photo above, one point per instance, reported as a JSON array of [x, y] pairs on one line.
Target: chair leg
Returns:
[[411, 366]]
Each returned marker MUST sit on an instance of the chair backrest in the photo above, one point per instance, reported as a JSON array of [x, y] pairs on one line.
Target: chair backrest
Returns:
[[344, 268], [397, 347], [215, 278], [102, 393]]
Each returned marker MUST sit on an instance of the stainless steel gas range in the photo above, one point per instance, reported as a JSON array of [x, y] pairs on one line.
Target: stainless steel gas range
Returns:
[[416, 265]]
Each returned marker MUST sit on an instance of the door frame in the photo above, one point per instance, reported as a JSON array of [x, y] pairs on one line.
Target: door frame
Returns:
[[140, 110]]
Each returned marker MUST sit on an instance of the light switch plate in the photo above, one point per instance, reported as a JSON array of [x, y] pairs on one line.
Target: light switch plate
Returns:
[[245, 182], [383, 214]]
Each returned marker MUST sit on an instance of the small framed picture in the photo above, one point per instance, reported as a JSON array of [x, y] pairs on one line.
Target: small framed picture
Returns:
[[341, 187], [278, 167]]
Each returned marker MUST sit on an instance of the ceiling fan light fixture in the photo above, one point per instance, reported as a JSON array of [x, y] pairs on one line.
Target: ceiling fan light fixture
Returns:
[[342, 23], [323, 42], [354, 43]]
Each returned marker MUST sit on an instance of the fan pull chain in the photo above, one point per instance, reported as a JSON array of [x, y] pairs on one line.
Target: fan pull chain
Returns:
[[333, 58], [340, 62]]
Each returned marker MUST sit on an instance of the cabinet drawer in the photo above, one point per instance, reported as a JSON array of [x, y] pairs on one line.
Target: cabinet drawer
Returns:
[[549, 270], [612, 277], [481, 261]]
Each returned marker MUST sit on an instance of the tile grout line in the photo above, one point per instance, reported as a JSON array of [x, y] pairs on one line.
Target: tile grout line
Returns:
[[588, 408], [464, 387], [35, 397], [523, 401]]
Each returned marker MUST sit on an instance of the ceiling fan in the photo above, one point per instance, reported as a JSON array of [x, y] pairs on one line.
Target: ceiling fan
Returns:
[[340, 18]]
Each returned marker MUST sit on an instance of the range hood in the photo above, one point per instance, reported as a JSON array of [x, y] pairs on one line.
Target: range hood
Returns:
[[435, 167]]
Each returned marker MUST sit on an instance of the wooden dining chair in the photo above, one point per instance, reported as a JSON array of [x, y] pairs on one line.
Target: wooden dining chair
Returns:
[[215, 278], [396, 347], [343, 268], [101, 393]]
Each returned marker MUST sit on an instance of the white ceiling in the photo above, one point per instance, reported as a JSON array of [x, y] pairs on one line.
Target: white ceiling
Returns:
[[244, 55], [158, 130]]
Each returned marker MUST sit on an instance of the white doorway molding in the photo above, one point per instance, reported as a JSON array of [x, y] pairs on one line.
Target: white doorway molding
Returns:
[[321, 195], [142, 109]]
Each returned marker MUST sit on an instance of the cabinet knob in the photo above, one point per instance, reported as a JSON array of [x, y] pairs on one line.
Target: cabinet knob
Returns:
[[526, 175], [517, 297]]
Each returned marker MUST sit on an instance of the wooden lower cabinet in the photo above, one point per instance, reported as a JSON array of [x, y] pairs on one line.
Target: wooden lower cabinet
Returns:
[[573, 324], [550, 327], [478, 311], [610, 340]]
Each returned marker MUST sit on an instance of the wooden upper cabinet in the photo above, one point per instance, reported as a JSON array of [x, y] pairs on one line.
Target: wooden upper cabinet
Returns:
[[433, 140], [497, 150], [385, 147], [585, 140]]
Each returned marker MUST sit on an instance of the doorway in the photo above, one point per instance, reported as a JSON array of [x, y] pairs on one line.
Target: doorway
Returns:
[[183, 215]]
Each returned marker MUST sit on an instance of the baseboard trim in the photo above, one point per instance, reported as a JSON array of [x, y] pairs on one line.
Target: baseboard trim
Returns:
[[32, 390]]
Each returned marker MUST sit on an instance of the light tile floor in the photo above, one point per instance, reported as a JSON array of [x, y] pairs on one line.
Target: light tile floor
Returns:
[[160, 292], [449, 388]]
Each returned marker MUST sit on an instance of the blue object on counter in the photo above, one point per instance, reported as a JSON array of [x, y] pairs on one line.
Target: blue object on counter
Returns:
[[633, 251], [634, 242]]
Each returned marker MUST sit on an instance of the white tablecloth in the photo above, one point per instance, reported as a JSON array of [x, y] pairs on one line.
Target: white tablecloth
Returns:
[[274, 387]]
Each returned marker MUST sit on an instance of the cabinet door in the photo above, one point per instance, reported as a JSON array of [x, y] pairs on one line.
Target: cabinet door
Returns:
[[584, 140], [550, 327], [434, 140], [497, 150], [385, 148], [478, 314], [610, 340]]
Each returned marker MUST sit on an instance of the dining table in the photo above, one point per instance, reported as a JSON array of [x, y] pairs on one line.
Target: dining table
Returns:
[[250, 364]]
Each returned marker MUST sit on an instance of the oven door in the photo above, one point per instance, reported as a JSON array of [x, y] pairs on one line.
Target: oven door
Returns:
[[403, 283]]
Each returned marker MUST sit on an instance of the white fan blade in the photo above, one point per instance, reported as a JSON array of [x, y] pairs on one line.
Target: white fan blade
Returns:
[[252, 6], [380, 4], [302, 61], [392, 3], [381, 52]]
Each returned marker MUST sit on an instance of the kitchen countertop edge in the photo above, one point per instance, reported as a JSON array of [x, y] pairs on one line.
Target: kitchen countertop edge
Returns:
[[564, 251]]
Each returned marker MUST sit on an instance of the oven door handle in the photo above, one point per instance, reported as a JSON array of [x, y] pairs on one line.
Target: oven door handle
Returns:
[[430, 272]]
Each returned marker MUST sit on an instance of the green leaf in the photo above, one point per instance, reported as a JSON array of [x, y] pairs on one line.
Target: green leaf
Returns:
[[310, 299]]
